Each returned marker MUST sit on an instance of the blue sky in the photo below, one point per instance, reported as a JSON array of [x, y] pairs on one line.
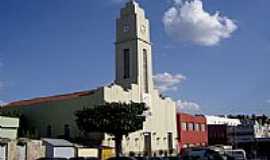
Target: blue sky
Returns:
[[50, 47]]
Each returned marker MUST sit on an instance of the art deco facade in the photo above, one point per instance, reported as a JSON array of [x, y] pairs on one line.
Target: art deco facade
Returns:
[[54, 116]]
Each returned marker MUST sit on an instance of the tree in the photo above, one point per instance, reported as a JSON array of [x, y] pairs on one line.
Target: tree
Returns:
[[117, 119]]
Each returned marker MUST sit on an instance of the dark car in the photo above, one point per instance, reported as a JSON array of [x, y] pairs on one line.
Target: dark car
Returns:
[[77, 158], [173, 157], [92, 158], [202, 154], [140, 158], [84, 158], [122, 158], [52, 159]]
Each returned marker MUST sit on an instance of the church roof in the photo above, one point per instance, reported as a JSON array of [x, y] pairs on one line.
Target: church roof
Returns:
[[40, 100]]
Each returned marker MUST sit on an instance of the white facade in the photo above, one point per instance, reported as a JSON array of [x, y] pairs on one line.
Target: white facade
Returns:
[[214, 120], [8, 127], [135, 83]]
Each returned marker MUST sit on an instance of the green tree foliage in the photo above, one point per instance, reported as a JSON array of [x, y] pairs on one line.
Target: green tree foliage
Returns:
[[117, 119], [262, 119]]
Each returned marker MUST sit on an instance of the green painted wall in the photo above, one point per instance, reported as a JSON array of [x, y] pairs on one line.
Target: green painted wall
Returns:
[[57, 113]]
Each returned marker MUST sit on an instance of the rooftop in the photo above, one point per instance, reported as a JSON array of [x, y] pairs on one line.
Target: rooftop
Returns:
[[47, 99], [58, 142]]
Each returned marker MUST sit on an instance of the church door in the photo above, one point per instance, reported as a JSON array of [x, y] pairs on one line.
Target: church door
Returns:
[[147, 144]]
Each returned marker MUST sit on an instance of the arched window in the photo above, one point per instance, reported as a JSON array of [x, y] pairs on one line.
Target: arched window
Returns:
[[49, 131], [126, 63], [67, 131]]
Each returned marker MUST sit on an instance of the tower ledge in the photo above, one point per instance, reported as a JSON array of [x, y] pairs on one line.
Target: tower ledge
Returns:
[[132, 7]]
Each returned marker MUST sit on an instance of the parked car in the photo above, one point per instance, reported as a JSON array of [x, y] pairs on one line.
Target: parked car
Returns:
[[92, 158], [122, 158], [158, 158], [238, 154], [204, 154], [77, 158], [84, 158], [52, 158], [173, 157]]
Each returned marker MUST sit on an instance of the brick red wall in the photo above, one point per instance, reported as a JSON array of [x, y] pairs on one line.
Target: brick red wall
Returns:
[[193, 137]]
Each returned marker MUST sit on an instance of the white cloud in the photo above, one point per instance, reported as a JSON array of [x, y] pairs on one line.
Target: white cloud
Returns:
[[188, 107], [168, 82], [2, 103], [189, 22], [268, 101], [178, 2]]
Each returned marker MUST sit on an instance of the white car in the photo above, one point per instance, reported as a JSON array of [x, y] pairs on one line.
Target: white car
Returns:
[[238, 154]]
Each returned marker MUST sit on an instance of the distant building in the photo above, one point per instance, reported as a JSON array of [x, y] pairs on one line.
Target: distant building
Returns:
[[218, 134], [248, 131], [249, 135], [192, 131], [54, 116], [216, 120], [9, 127], [218, 129]]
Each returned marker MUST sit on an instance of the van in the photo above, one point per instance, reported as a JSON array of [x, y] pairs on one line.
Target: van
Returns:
[[237, 154]]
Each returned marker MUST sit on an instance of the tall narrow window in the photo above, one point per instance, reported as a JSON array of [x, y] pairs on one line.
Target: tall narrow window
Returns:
[[49, 131], [145, 68], [170, 142], [126, 63], [147, 143], [67, 131]]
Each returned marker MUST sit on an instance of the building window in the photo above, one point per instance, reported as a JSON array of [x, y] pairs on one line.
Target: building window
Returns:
[[67, 131], [147, 143], [126, 63], [203, 127], [49, 131], [190, 126], [184, 126], [197, 128], [185, 146], [170, 142], [145, 68]]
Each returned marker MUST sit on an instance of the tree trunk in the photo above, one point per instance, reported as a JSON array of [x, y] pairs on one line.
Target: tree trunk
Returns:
[[118, 145]]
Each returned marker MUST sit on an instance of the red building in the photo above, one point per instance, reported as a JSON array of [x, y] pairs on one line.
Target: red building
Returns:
[[192, 131]]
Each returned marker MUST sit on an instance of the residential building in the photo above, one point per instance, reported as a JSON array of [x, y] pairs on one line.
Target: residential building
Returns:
[[54, 116], [216, 120], [9, 127], [192, 131]]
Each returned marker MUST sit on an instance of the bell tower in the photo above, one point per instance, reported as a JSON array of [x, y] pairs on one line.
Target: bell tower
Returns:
[[133, 49]]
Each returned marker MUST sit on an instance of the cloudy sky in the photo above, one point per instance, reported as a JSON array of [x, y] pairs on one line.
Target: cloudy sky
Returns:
[[210, 56]]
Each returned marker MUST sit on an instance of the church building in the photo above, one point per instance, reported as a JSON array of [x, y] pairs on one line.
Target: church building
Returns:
[[54, 116]]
